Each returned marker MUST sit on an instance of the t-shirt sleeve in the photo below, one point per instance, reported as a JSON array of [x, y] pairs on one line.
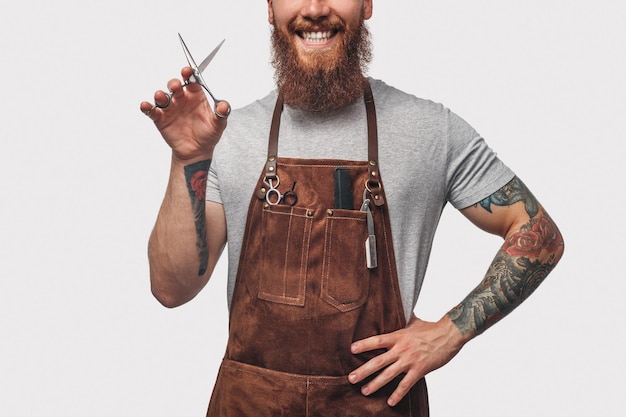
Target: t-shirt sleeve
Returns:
[[474, 170], [212, 184]]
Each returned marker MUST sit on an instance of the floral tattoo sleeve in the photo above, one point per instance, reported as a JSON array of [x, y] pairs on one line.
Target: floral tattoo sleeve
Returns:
[[522, 263], [196, 178]]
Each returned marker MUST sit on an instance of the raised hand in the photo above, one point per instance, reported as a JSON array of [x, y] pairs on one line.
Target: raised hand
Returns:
[[185, 118]]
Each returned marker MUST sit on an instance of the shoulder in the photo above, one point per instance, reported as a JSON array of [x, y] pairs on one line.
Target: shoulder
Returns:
[[245, 124], [407, 111], [392, 99], [408, 114], [257, 110]]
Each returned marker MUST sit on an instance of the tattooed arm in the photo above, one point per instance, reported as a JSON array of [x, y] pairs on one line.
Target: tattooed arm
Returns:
[[182, 254], [189, 234], [532, 247]]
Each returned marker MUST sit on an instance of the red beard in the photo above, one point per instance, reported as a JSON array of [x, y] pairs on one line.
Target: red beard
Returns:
[[322, 80]]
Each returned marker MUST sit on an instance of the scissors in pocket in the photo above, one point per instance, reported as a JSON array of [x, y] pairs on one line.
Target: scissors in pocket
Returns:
[[196, 77]]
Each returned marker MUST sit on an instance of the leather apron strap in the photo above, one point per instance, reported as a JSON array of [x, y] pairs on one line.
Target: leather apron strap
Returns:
[[373, 184]]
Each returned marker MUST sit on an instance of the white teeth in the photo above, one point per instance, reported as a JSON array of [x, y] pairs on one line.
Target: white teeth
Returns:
[[316, 36]]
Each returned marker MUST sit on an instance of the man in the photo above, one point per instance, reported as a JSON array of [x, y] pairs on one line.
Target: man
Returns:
[[321, 295]]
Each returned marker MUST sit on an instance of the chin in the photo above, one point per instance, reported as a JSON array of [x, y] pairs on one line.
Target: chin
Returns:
[[322, 59]]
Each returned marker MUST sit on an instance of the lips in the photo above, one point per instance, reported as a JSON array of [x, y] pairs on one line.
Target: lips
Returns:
[[317, 37], [318, 32]]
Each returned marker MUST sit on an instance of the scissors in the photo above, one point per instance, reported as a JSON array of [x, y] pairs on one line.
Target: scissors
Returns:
[[196, 77]]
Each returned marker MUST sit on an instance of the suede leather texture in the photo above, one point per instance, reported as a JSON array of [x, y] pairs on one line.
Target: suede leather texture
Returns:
[[303, 294], [291, 395]]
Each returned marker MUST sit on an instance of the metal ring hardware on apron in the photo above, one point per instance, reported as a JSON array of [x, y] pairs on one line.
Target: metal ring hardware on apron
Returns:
[[311, 280]]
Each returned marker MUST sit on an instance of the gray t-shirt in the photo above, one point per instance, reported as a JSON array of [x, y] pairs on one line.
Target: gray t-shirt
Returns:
[[428, 156]]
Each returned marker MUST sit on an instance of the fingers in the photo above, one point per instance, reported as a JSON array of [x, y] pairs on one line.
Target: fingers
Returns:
[[386, 363], [388, 366], [183, 115], [189, 82], [177, 93], [146, 108], [222, 109], [402, 389], [186, 73], [372, 343], [162, 101], [174, 85], [377, 363]]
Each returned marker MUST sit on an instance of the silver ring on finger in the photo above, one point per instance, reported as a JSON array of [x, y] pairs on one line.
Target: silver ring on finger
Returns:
[[166, 105], [191, 80], [221, 115], [150, 110]]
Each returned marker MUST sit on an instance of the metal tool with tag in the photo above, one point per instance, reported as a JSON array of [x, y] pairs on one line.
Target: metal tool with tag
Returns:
[[371, 258]]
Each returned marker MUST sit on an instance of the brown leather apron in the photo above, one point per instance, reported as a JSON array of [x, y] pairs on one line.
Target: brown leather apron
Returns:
[[304, 293]]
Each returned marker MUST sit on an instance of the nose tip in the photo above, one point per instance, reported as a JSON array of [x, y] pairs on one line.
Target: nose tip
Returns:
[[314, 9]]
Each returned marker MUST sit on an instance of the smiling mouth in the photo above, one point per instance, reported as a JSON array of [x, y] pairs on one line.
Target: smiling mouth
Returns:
[[317, 37]]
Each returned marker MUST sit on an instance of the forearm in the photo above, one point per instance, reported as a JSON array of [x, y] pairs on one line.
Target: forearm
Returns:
[[525, 259], [178, 250]]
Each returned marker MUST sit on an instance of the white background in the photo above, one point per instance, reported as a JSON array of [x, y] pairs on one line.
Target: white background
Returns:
[[83, 172]]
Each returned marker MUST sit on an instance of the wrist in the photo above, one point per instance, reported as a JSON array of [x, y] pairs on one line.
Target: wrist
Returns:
[[455, 334], [186, 159]]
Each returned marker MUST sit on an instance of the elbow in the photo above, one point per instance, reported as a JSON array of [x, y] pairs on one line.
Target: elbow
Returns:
[[559, 252], [166, 299], [168, 296], [555, 243], [173, 288]]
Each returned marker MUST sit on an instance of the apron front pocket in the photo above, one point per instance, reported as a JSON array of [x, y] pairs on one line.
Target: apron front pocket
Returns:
[[286, 239], [345, 277]]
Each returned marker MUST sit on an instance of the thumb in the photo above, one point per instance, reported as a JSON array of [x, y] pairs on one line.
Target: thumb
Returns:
[[222, 110], [219, 118]]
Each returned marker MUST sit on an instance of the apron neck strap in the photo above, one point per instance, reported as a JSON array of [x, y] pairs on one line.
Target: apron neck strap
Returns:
[[373, 185], [272, 151]]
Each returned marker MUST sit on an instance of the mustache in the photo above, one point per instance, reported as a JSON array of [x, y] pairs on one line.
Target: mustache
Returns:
[[330, 23]]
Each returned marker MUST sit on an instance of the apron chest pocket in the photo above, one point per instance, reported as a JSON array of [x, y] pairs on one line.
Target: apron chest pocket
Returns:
[[334, 262], [345, 277], [284, 259]]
